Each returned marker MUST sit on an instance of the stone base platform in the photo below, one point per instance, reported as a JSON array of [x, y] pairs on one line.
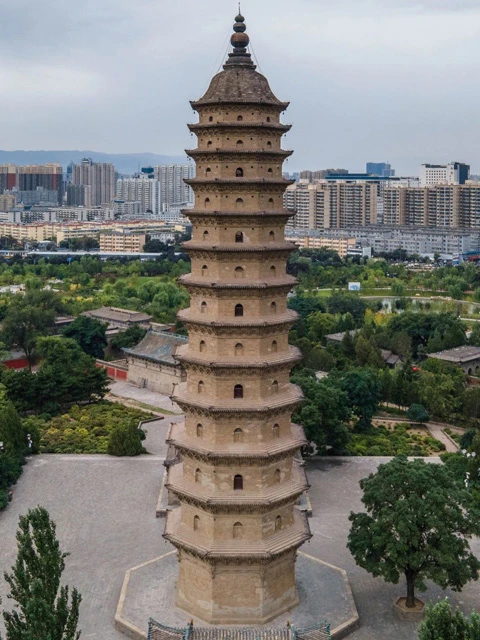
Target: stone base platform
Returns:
[[149, 592]]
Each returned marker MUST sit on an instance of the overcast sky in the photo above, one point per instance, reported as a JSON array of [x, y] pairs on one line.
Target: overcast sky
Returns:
[[378, 80]]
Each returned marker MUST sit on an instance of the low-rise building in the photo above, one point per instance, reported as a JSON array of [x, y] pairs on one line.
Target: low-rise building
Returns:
[[152, 363], [119, 318], [466, 357], [341, 245], [123, 242]]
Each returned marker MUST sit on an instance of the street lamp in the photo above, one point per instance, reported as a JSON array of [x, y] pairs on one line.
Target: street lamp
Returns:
[[29, 441], [2, 448]]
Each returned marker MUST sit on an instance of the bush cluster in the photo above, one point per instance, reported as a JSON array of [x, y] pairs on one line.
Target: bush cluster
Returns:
[[381, 441], [105, 427]]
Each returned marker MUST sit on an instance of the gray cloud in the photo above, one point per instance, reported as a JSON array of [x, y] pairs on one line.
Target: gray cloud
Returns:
[[373, 80]]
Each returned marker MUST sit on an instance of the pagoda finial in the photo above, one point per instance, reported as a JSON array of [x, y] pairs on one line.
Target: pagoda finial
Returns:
[[239, 41]]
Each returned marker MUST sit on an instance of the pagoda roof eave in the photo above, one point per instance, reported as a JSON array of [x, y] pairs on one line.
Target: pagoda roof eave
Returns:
[[283, 182], [285, 153], [231, 214], [287, 318], [271, 126], [281, 106]]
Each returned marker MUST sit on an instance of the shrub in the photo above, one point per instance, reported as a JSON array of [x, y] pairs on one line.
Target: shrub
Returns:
[[125, 440]]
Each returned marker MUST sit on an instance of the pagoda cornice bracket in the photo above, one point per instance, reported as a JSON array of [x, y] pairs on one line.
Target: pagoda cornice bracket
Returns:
[[277, 105], [240, 126]]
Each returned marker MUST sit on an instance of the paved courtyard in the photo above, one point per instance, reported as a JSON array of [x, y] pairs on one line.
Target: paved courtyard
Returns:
[[105, 513]]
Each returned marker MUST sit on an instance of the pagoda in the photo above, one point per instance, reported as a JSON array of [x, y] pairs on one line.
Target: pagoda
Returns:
[[238, 475]]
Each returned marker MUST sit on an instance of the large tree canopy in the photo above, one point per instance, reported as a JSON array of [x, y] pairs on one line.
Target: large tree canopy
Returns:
[[418, 523]]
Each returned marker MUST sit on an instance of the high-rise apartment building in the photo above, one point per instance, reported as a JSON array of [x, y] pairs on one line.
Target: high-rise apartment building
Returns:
[[382, 169], [28, 178], [100, 176], [452, 173], [438, 206], [79, 195], [173, 188], [140, 189], [336, 204]]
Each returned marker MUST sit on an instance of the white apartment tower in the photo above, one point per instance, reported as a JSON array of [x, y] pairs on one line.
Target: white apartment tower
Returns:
[[140, 189], [100, 176], [173, 189]]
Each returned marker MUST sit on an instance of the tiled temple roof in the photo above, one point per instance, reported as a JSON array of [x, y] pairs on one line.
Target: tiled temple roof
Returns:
[[158, 346]]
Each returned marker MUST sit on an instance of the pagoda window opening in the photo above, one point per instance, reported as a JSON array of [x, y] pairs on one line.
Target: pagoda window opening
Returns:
[[209, 143], [239, 203], [239, 272], [239, 118], [274, 346], [238, 483], [203, 346], [203, 307], [270, 170], [199, 430], [198, 476], [238, 435], [239, 236], [239, 349], [275, 386], [207, 201], [276, 430], [201, 387], [205, 235], [273, 307], [239, 143], [268, 119], [277, 476], [196, 523], [269, 144], [278, 523], [239, 310], [210, 119], [208, 170], [273, 271], [204, 270], [239, 173], [238, 392], [271, 236], [238, 530]]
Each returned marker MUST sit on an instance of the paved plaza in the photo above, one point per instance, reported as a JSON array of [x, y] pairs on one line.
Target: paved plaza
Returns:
[[105, 513]]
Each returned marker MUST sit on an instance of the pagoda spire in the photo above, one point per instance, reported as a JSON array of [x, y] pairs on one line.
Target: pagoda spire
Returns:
[[240, 41]]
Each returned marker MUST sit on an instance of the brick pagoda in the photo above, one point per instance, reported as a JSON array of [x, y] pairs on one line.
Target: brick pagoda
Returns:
[[239, 476]]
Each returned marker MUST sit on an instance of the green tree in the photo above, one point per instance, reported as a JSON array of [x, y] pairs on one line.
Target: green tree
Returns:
[[367, 353], [441, 623], [363, 391], [89, 333], [66, 375], [417, 413], [418, 523], [43, 609], [324, 413], [128, 338], [23, 325]]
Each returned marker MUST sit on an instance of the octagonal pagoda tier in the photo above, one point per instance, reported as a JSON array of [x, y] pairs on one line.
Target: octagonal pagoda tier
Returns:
[[239, 474]]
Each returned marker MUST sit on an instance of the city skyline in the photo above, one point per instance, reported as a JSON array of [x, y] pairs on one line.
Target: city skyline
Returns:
[[387, 81]]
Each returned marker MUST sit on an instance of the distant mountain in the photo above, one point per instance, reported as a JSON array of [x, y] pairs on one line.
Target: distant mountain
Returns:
[[124, 162]]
